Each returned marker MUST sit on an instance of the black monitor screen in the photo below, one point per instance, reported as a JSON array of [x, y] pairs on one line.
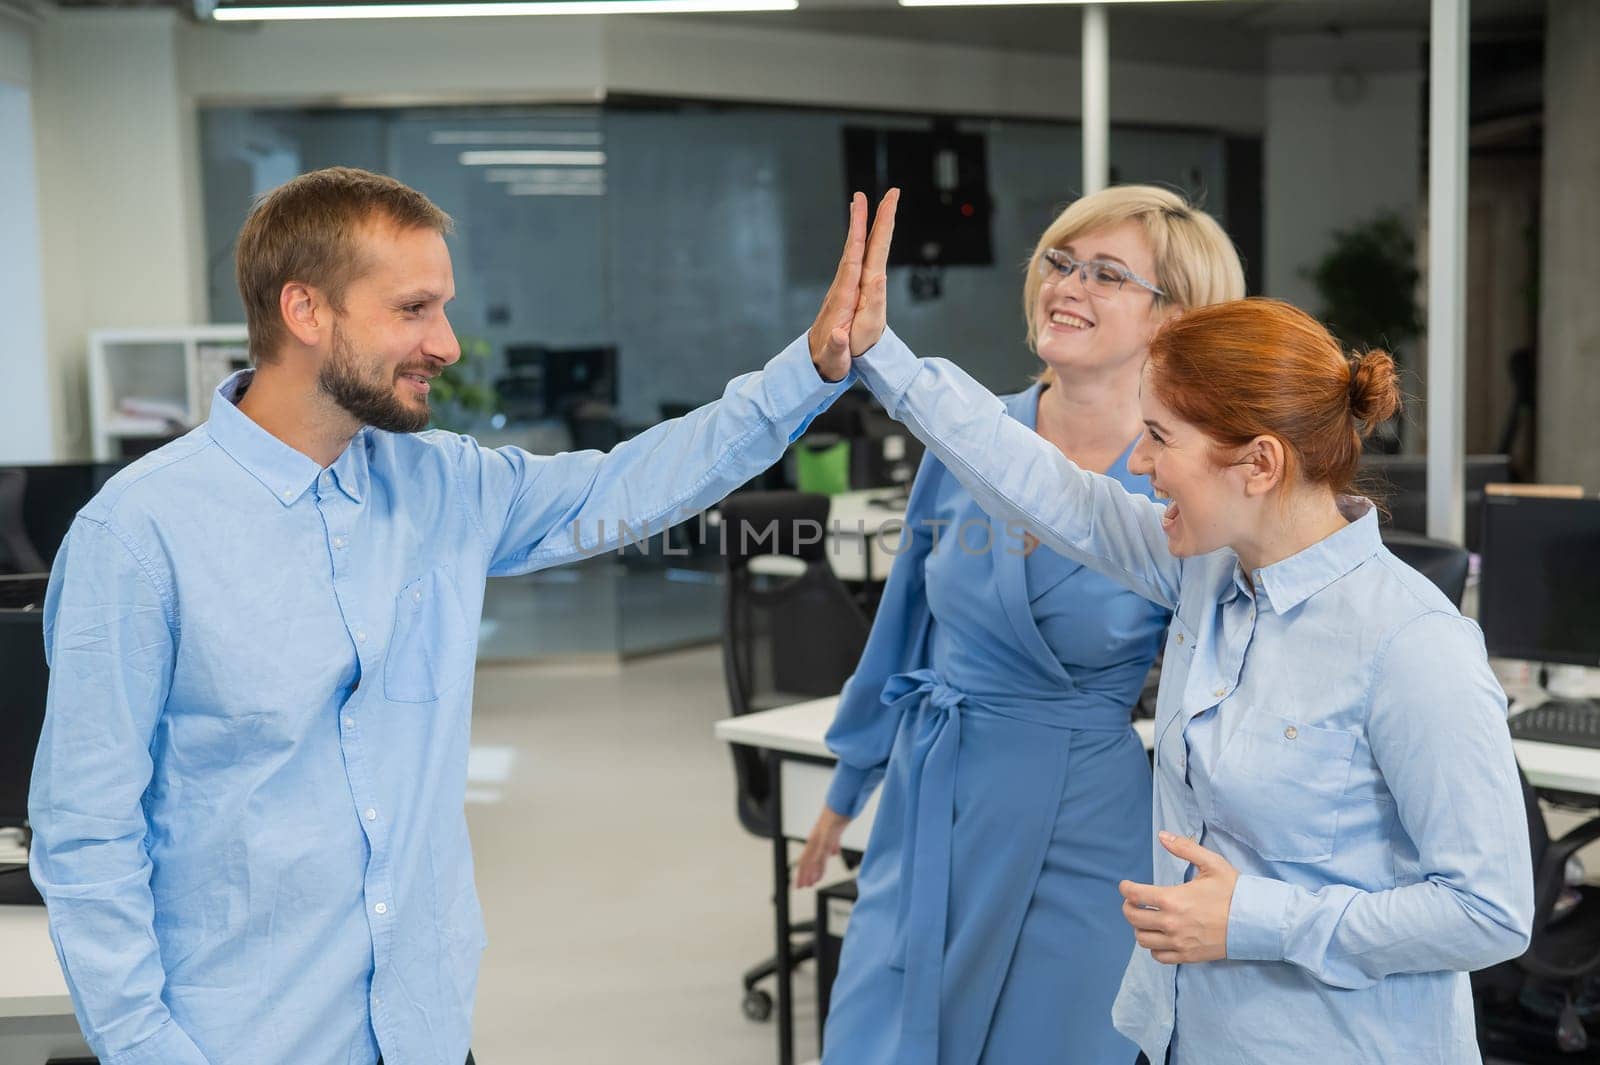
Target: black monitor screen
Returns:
[[37, 505], [1540, 595], [21, 708]]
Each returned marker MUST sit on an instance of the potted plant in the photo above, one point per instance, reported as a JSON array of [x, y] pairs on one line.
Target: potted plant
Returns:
[[462, 392], [1367, 283]]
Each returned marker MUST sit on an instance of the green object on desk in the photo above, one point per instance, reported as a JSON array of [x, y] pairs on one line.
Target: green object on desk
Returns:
[[823, 467]]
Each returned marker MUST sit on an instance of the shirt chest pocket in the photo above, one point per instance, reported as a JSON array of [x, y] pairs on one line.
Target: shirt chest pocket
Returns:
[[431, 649], [1279, 786]]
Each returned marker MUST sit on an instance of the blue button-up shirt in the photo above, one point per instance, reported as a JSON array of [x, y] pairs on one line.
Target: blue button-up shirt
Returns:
[[1328, 725], [248, 798]]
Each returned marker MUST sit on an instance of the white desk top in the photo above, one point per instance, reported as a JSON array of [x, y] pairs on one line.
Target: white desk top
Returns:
[[799, 729], [31, 984]]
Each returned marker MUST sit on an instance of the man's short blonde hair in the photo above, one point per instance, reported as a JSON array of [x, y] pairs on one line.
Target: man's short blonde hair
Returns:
[[307, 231], [1196, 263]]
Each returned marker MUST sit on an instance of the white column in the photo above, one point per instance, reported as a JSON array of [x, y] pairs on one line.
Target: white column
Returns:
[[1096, 100], [1447, 255]]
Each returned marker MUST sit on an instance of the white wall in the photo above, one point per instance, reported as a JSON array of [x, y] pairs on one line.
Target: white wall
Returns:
[[1343, 142], [25, 431], [492, 60], [682, 59], [118, 177], [477, 60], [16, 50]]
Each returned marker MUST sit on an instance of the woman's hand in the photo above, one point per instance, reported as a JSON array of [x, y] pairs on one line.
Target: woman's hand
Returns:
[[821, 844], [840, 330], [1187, 923], [872, 305]]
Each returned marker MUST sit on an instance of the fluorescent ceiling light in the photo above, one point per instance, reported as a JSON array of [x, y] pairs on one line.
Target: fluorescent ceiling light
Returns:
[[310, 12], [532, 158], [1019, 3], [556, 190], [522, 175], [516, 136]]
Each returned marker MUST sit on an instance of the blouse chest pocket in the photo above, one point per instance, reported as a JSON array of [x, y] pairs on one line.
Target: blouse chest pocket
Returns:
[[431, 650], [1279, 785]]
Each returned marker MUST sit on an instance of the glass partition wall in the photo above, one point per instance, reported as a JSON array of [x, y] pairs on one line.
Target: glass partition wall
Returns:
[[618, 264]]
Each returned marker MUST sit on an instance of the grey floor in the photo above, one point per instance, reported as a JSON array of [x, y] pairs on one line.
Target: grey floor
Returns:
[[622, 898]]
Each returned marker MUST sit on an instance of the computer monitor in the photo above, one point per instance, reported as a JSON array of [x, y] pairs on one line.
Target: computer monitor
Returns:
[[1540, 593], [541, 382], [37, 505], [22, 699], [1402, 482]]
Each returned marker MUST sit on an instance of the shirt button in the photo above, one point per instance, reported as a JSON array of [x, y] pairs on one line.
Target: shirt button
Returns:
[[1180, 637], [361, 636], [416, 597], [288, 493], [349, 722], [381, 908], [1290, 733], [338, 541], [371, 815], [1220, 692]]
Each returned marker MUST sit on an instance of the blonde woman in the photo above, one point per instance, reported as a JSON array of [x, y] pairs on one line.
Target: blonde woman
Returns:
[[993, 700]]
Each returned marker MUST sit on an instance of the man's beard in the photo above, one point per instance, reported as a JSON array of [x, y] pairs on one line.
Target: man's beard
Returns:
[[366, 391]]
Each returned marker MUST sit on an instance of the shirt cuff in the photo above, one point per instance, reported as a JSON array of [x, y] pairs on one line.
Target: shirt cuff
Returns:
[[848, 792], [794, 389], [170, 1045], [1258, 919], [888, 367]]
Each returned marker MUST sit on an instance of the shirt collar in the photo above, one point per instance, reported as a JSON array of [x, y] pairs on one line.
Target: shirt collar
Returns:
[[1287, 584], [282, 470]]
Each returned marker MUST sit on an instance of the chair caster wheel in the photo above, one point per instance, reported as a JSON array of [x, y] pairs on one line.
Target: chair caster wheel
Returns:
[[757, 1004]]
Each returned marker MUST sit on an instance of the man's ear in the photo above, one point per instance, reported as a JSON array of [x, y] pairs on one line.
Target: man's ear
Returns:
[[1265, 465], [305, 312]]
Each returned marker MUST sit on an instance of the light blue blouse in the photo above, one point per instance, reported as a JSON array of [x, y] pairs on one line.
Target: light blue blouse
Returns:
[[1330, 727]]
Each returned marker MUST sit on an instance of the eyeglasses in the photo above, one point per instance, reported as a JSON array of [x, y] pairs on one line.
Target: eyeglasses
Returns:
[[1099, 277]]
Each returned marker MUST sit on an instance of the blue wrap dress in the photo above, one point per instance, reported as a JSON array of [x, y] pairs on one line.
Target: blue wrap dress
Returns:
[[992, 701]]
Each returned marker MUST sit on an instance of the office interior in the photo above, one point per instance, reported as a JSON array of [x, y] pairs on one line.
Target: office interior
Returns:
[[650, 204]]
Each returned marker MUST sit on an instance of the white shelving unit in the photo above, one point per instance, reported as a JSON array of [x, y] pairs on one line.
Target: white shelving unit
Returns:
[[155, 384]]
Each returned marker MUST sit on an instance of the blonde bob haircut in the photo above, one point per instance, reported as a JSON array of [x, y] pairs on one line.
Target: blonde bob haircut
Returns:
[[1196, 263]]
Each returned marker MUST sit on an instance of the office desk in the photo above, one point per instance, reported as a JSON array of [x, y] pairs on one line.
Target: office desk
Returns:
[[862, 537], [804, 768]]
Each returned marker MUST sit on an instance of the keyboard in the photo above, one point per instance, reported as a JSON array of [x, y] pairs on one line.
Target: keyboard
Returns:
[[1574, 722]]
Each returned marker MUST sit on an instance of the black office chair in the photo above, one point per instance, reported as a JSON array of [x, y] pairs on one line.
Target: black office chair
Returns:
[[592, 424], [22, 703], [784, 639], [1533, 1009], [1443, 563]]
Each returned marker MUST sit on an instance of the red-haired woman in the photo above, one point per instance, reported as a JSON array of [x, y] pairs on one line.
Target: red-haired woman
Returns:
[[1342, 833]]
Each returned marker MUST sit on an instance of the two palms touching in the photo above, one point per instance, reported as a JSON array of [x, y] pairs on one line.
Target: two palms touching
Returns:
[[851, 320], [854, 311]]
